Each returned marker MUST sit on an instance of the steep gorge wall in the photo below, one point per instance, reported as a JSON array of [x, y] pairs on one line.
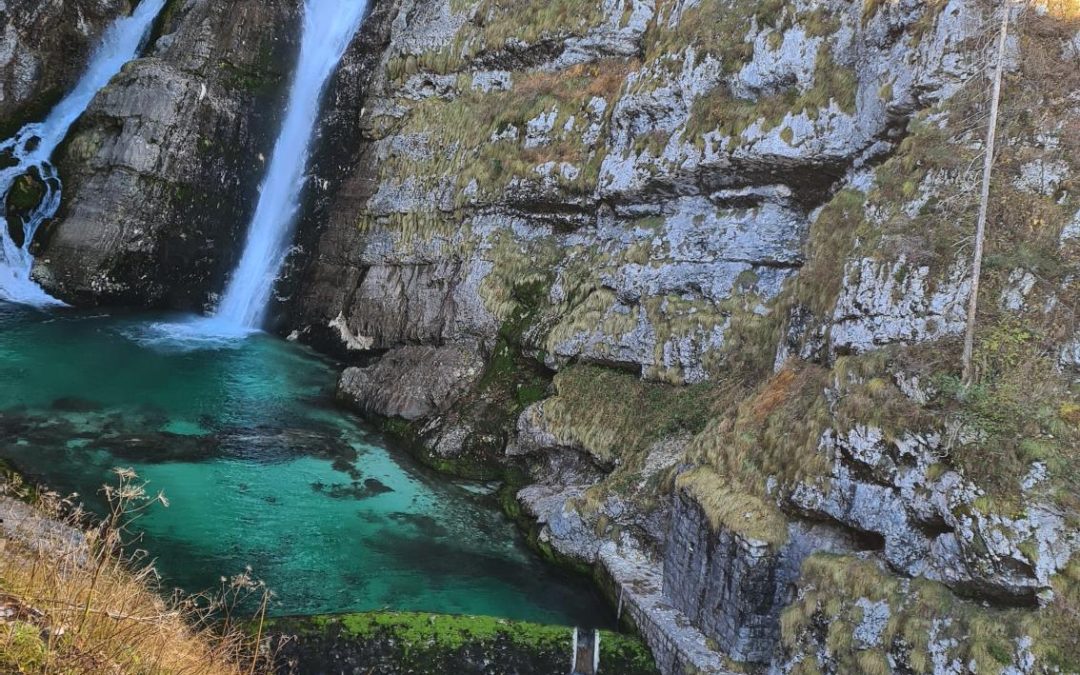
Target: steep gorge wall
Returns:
[[713, 256], [766, 206], [160, 174]]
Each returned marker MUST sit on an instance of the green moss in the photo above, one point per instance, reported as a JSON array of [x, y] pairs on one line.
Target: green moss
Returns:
[[425, 641], [511, 381], [258, 79], [26, 192], [621, 654], [472, 464], [450, 631], [514, 480]]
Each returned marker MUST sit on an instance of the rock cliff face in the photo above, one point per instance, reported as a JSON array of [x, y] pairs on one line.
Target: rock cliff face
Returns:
[[43, 48], [160, 174], [761, 211], [699, 269]]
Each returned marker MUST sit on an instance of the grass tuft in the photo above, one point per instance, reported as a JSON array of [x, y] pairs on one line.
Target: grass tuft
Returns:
[[72, 601]]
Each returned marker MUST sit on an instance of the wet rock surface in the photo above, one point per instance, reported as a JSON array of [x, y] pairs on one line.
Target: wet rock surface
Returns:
[[176, 144], [44, 46]]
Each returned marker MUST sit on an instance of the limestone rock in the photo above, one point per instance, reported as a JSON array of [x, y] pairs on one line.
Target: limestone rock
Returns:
[[889, 304], [930, 526], [734, 587], [411, 382]]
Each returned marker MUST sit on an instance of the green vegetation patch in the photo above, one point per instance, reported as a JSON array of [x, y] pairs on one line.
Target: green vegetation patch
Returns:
[[829, 608], [731, 116], [22, 647], [613, 414], [425, 642], [1020, 410], [771, 431], [715, 27], [498, 25], [26, 192], [451, 631], [473, 143]]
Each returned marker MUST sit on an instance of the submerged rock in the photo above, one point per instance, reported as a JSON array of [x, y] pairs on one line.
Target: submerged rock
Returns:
[[369, 487]]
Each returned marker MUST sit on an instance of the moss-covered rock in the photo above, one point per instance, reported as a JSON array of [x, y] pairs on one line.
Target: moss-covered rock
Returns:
[[392, 643], [26, 193], [853, 616]]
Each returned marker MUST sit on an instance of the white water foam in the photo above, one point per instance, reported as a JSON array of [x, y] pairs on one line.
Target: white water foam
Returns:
[[32, 148], [329, 26], [194, 333]]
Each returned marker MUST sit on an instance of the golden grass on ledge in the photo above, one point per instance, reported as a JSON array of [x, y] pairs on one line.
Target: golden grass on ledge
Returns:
[[71, 602]]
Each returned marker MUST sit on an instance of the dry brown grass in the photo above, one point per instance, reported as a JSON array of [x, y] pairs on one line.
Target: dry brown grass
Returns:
[[71, 601], [604, 79]]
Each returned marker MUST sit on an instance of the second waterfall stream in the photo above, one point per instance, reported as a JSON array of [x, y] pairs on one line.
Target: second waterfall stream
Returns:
[[329, 26], [28, 154]]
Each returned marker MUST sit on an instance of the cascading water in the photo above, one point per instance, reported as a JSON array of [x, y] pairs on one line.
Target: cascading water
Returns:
[[329, 26], [32, 147]]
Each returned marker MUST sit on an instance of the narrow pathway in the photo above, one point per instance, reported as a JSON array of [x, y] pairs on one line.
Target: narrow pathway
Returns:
[[676, 643]]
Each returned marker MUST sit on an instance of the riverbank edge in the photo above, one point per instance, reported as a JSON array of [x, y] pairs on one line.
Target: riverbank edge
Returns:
[[434, 644], [390, 642]]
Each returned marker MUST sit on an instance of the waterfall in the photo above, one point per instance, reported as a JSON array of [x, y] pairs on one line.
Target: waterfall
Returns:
[[329, 26], [32, 147]]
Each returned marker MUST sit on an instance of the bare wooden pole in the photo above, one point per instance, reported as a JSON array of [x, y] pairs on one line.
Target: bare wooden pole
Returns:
[[984, 201]]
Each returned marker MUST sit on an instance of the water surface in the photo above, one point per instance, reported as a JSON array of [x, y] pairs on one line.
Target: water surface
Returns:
[[261, 470]]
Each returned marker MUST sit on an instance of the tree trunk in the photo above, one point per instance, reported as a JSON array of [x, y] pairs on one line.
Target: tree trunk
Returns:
[[980, 227]]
